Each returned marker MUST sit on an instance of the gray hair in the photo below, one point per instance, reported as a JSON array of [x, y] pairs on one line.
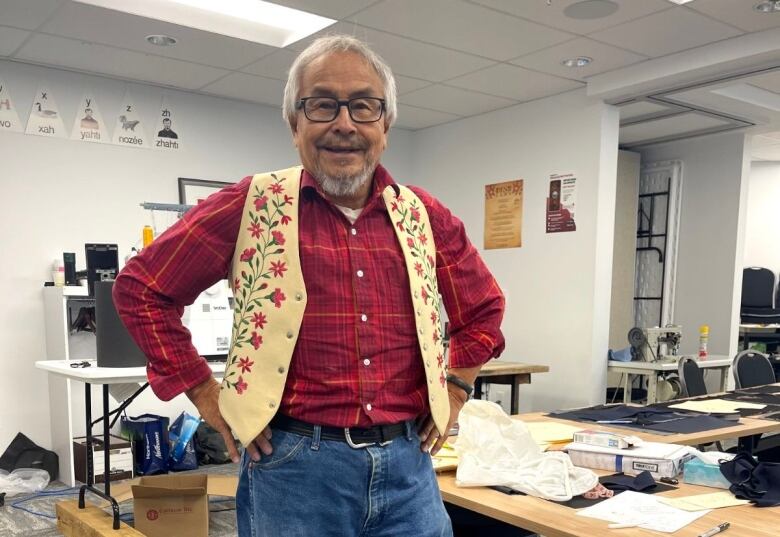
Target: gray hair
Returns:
[[338, 43]]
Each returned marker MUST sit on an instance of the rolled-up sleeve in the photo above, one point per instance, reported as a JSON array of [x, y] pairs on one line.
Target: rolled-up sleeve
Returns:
[[471, 295], [152, 290]]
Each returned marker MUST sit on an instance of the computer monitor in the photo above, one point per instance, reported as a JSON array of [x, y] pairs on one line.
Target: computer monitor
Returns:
[[115, 347]]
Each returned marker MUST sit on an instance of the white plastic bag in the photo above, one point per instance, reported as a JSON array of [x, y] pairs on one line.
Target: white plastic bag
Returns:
[[23, 480], [494, 449]]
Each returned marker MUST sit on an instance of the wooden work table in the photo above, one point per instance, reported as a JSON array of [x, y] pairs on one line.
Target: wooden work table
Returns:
[[511, 373], [554, 520]]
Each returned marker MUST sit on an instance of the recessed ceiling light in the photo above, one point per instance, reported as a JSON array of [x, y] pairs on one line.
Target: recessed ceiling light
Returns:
[[680, 2], [767, 6], [579, 61], [590, 9], [251, 20], [161, 40]]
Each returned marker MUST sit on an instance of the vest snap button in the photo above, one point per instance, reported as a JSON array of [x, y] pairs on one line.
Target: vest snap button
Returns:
[[421, 331], [298, 296], [416, 294], [419, 312], [425, 346], [271, 405], [428, 363], [289, 334], [281, 370]]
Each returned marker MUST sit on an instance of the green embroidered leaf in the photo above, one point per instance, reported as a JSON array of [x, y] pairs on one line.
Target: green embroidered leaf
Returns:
[[278, 251]]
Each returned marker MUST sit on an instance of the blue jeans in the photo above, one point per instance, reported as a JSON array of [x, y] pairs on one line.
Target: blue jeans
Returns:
[[312, 487]]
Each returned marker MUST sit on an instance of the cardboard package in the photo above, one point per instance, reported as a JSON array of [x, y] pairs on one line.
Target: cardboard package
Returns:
[[661, 460], [120, 454]]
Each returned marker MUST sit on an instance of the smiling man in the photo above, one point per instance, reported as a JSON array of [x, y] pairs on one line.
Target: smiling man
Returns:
[[336, 381]]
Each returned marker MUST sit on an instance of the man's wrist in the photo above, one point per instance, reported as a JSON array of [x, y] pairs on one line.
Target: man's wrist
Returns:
[[454, 380]]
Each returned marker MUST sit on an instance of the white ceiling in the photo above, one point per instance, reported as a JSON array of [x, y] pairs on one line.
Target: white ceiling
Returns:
[[453, 58]]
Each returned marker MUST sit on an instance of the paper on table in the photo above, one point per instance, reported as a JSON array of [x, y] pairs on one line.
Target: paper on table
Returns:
[[445, 459], [644, 510], [716, 405], [551, 432], [714, 500]]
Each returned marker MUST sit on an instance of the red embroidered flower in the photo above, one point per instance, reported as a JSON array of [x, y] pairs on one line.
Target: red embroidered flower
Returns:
[[254, 229], [278, 237], [286, 219], [245, 364], [435, 336], [247, 254], [278, 268], [410, 242], [259, 319], [400, 225], [236, 283], [423, 238], [276, 188], [257, 340], [434, 318], [440, 360], [241, 386], [287, 200], [278, 297], [425, 295], [261, 202], [394, 207], [415, 214], [418, 267], [399, 197], [442, 379]]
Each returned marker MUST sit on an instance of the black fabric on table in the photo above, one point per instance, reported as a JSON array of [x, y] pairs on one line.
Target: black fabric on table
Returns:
[[751, 480]]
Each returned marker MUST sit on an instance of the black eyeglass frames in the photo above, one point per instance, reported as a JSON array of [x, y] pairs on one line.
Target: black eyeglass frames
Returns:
[[325, 109]]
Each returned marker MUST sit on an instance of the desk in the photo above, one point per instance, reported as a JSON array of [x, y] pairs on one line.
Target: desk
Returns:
[[553, 520], [511, 373], [652, 369], [765, 332]]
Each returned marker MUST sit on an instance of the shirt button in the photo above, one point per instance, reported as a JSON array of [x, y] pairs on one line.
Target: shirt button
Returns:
[[366, 362], [368, 406], [364, 317], [360, 274], [353, 231]]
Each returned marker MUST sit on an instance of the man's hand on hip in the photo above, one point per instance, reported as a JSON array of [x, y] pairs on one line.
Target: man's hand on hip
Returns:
[[430, 438], [205, 397]]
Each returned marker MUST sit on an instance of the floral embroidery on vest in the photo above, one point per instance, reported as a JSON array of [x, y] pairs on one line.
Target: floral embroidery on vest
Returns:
[[260, 265]]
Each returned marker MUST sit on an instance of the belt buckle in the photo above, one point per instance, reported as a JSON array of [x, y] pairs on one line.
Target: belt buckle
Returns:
[[354, 445]]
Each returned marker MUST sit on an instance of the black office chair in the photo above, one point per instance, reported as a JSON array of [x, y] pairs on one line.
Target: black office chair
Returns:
[[757, 304], [752, 368], [691, 377]]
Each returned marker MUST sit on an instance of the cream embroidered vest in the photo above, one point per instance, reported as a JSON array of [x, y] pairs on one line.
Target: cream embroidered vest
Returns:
[[270, 299]]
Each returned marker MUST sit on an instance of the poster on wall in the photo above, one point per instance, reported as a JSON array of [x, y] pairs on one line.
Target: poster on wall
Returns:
[[89, 125], [504, 215], [45, 117], [561, 203], [129, 129], [9, 118], [168, 134]]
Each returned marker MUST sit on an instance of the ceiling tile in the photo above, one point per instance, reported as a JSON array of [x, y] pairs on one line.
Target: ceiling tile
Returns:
[[514, 83], [661, 128], [108, 27], [406, 84], [642, 108], [739, 13], [553, 15], [605, 58], [769, 152], [248, 88], [769, 81], [274, 65], [28, 14], [460, 26], [454, 100], [10, 39], [334, 9], [411, 117], [88, 57], [407, 57], [666, 32]]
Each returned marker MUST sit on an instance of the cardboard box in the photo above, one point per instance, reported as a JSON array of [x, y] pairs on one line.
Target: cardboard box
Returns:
[[661, 460], [120, 453], [174, 504]]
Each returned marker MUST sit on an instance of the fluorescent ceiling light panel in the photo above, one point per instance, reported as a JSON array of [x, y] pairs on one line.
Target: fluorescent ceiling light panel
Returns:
[[680, 2], [250, 20]]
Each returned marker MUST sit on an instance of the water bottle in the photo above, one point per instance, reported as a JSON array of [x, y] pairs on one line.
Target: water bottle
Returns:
[[704, 335]]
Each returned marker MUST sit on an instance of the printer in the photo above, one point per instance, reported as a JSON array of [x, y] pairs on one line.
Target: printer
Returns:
[[210, 321]]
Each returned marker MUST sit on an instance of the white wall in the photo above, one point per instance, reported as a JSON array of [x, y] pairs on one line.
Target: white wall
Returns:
[[557, 285], [762, 225], [58, 194], [712, 223]]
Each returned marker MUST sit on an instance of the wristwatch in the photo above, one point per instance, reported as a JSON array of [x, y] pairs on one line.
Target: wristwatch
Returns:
[[460, 383]]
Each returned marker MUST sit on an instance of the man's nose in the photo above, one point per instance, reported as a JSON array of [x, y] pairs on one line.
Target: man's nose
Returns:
[[343, 121]]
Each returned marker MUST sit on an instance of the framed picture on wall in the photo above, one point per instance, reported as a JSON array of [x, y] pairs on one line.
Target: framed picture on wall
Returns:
[[193, 191]]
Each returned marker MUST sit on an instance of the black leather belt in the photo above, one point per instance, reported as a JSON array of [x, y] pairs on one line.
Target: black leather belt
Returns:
[[356, 437]]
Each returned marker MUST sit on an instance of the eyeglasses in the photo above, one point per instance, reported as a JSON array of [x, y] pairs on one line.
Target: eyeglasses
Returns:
[[325, 109]]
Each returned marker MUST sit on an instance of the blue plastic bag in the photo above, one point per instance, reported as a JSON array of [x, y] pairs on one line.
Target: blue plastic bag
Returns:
[[181, 434], [150, 434]]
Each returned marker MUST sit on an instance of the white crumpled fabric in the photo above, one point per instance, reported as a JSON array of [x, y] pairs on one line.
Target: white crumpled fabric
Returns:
[[23, 480], [494, 449]]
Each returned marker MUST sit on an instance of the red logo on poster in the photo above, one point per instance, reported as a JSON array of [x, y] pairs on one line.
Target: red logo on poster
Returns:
[[152, 514]]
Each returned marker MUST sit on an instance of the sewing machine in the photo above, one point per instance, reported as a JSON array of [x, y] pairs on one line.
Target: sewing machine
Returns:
[[657, 343], [210, 321]]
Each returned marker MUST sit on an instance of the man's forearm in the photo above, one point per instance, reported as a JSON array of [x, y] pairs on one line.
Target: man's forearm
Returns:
[[466, 374]]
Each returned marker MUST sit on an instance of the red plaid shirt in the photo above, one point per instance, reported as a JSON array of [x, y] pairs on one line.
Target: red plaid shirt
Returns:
[[357, 360]]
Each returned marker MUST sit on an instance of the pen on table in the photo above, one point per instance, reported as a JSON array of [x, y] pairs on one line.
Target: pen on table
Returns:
[[717, 529]]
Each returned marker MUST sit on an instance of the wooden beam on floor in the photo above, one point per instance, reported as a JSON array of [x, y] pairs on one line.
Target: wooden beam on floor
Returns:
[[89, 522]]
